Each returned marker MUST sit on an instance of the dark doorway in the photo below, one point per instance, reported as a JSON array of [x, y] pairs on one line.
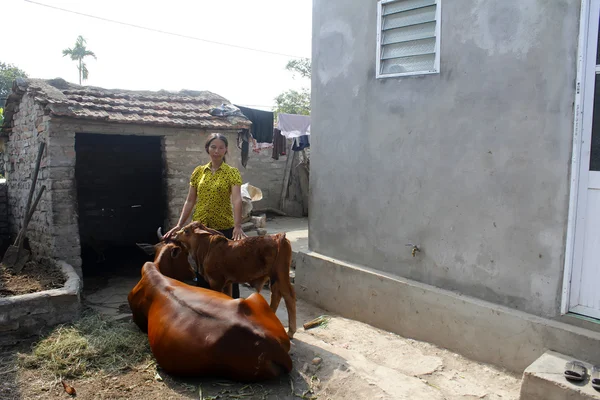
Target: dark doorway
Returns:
[[121, 200]]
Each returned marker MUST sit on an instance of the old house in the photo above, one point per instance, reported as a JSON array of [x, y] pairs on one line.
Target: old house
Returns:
[[453, 195], [116, 164]]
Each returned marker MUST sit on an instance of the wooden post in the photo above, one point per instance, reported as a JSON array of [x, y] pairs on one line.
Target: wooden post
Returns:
[[286, 177]]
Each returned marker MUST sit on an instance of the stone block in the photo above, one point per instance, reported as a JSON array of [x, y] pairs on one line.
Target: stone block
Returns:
[[260, 221], [64, 217], [544, 380], [61, 173], [61, 156], [61, 184], [10, 326]]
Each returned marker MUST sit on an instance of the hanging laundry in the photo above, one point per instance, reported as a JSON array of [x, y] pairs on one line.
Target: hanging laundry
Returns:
[[258, 147], [262, 123], [279, 144], [301, 142], [292, 125], [243, 140]]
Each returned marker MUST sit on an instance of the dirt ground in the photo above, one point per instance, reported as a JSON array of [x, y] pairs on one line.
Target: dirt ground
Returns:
[[343, 359], [33, 278]]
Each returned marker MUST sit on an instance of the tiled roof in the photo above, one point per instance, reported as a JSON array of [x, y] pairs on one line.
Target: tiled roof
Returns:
[[185, 109]]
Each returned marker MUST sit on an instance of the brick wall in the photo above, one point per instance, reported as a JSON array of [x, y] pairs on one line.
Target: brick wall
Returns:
[[265, 173], [54, 231], [30, 127], [4, 232]]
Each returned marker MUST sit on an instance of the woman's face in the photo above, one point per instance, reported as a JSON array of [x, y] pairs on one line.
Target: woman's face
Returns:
[[217, 149]]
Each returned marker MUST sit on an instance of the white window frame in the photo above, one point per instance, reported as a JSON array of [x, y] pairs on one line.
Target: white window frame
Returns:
[[582, 55], [438, 24]]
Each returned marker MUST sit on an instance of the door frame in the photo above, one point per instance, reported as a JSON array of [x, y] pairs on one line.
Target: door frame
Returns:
[[578, 122]]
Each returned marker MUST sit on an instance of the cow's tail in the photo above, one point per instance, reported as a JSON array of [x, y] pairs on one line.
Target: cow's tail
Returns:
[[283, 260]]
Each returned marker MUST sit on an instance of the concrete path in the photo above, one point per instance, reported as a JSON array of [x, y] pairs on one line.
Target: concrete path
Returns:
[[349, 359], [296, 231]]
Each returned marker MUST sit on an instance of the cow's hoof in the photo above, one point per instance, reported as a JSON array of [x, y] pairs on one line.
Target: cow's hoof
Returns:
[[290, 334]]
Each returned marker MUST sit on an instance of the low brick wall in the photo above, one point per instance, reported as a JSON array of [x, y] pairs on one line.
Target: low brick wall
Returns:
[[27, 315]]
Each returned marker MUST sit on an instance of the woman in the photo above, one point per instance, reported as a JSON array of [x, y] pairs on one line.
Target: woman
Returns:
[[213, 189]]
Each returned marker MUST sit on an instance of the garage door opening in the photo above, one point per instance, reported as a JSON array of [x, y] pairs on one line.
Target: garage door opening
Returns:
[[121, 200]]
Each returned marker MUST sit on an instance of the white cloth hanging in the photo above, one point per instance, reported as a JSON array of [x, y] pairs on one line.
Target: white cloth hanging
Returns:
[[293, 125]]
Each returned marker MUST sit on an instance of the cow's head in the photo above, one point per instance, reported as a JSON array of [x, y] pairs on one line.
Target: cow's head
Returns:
[[197, 238], [171, 258]]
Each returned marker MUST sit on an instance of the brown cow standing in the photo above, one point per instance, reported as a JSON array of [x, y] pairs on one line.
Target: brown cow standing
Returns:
[[254, 260], [177, 266], [198, 332]]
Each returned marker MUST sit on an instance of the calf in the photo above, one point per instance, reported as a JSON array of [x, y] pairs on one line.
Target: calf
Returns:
[[200, 332], [175, 262], [254, 260]]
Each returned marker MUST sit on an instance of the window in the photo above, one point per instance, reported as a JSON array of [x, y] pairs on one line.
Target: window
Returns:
[[408, 37]]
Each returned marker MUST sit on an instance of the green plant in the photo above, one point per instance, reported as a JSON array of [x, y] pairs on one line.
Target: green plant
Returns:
[[78, 53]]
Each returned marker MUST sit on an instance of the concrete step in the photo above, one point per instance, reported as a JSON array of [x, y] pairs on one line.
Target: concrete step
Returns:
[[543, 380]]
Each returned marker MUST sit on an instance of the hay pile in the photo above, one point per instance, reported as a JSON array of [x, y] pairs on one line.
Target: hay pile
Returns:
[[90, 345]]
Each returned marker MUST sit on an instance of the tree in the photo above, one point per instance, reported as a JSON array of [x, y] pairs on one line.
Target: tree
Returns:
[[8, 73], [78, 53], [300, 66], [294, 101]]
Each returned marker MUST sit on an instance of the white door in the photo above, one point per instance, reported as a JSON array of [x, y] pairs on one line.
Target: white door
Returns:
[[585, 280]]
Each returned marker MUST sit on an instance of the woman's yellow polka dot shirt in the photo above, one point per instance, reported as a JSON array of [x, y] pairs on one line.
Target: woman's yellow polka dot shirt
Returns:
[[213, 190]]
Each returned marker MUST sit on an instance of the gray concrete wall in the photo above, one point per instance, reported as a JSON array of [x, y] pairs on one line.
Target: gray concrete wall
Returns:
[[472, 164], [479, 330]]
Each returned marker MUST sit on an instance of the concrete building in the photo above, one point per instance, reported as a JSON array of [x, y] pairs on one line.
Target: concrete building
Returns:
[[454, 188]]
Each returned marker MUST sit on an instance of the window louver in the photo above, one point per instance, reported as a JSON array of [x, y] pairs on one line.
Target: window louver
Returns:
[[408, 39]]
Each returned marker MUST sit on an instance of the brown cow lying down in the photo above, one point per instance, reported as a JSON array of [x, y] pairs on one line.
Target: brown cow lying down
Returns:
[[200, 332], [253, 259]]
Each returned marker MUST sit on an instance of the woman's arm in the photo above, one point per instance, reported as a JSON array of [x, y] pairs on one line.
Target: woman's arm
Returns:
[[190, 202], [236, 199]]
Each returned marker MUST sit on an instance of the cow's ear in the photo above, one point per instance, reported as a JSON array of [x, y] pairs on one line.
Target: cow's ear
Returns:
[[148, 248], [200, 231], [175, 251]]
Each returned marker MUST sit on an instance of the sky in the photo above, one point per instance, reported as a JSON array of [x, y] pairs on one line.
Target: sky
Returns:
[[138, 59]]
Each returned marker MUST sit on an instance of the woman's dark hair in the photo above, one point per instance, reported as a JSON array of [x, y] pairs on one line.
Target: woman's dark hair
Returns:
[[214, 136]]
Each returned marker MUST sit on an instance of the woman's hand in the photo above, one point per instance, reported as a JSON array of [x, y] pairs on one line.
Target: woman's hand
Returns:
[[238, 233], [171, 232]]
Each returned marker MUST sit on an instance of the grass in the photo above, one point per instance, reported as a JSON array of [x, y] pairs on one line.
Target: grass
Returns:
[[90, 345]]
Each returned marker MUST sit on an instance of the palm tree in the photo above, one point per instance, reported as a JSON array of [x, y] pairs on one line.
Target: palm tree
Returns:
[[78, 53]]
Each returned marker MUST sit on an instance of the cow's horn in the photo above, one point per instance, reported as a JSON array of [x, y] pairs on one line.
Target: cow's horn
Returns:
[[159, 233]]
